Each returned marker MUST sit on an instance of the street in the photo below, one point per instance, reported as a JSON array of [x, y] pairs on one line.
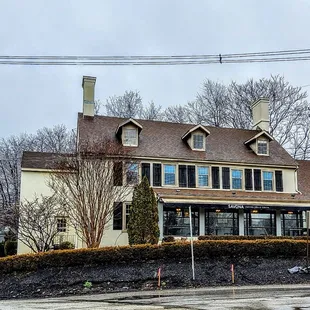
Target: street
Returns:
[[284, 297]]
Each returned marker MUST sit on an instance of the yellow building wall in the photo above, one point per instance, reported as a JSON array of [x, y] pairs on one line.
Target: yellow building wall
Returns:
[[36, 183]]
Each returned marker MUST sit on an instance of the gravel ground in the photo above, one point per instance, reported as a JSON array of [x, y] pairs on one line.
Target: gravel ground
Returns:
[[53, 282]]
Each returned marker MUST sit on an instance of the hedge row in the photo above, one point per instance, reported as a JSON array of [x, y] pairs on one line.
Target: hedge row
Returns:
[[142, 253], [237, 237]]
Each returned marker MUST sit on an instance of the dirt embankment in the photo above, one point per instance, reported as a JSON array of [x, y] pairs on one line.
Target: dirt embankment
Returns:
[[174, 274]]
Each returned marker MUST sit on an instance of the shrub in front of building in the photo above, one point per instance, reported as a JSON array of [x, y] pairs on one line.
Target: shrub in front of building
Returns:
[[176, 251]]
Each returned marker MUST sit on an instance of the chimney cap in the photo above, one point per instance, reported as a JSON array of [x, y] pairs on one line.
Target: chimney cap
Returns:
[[260, 99], [88, 79]]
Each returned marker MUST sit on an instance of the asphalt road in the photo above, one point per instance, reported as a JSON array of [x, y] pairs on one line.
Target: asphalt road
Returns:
[[283, 297]]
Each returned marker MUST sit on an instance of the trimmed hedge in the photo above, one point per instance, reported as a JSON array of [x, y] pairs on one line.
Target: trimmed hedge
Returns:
[[142, 253], [168, 239]]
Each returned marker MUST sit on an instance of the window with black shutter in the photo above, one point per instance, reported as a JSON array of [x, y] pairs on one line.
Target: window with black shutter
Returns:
[[257, 180], [156, 174], [118, 216], [118, 173], [182, 175], [215, 177], [146, 171], [191, 176], [248, 179], [226, 178], [279, 181]]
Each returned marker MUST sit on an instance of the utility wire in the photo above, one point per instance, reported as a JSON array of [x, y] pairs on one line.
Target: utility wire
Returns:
[[148, 60]]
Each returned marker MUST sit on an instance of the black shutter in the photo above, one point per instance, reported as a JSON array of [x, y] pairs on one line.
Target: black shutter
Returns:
[[182, 175], [191, 176], [226, 178], [279, 181], [118, 173], [257, 180], [146, 171], [118, 216], [156, 174], [215, 177], [248, 179]]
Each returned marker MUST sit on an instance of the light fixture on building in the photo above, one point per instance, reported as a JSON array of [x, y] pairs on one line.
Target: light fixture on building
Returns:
[[178, 209], [254, 211], [217, 210], [290, 212]]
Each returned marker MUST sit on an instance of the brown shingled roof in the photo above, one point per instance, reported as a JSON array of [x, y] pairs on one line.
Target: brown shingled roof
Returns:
[[163, 140], [231, 196], [40, 160]]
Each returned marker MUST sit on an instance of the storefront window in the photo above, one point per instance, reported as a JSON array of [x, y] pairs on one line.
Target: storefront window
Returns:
[[176, 221], [221, 222], [259, 223], [292, 224]]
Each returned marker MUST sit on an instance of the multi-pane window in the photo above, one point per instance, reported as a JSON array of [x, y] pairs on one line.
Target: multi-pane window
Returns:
[[268, 180], [169, 171], [198, 142], [262, 147], [236, 177], [130, 137], [132, 173], [61, 224], [203, 176]]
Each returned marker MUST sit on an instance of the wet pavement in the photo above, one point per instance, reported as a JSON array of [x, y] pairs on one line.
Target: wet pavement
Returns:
[[284, 297]]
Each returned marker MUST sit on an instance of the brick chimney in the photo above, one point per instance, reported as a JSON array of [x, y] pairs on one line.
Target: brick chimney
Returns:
[[260, 114], [88, 85]]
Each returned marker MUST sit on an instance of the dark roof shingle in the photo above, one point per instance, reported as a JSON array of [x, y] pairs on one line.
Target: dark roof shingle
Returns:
[[164, 140]]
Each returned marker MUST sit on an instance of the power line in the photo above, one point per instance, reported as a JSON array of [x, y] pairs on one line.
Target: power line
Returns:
[[148, 60]]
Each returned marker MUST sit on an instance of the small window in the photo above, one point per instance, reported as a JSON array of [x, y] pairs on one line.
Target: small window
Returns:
[[262, 147], [268, 180], [117, 216], [130, 137], [132, 173], [236, 176], [169, 174], [203, 176], [61, 224], [198, 142], [127, 214]]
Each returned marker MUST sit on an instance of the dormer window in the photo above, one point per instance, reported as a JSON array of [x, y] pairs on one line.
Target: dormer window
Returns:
[[260, 143], [262, 147], [130, 137], [128, 132], [196, 137], [198, 142]]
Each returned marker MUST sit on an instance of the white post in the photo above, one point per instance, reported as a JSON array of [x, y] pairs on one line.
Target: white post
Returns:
[[192, 244], [241, 222], [202, 221], [278, 223]]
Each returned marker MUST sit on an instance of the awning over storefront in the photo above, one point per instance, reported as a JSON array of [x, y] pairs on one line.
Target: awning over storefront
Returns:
[[235, 206]]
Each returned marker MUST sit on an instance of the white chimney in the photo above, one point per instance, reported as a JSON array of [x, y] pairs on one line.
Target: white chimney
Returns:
[[88, 85], [260, 114]]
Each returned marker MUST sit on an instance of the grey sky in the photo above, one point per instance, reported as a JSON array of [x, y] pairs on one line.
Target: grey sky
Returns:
[[34, 97]]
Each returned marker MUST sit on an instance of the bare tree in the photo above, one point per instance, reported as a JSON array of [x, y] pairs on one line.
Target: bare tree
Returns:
[[176, 114], [210, 106], [87, 186], [37, 222], [57, 139], [128, 105], [151, 112]]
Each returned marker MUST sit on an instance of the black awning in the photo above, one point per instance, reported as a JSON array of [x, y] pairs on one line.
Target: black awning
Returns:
[[236, 206]]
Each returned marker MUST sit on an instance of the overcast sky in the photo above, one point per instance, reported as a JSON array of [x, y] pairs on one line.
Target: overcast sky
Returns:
[[34, 97]]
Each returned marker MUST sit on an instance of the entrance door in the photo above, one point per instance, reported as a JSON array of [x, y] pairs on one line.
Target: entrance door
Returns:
[[260, 223]]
